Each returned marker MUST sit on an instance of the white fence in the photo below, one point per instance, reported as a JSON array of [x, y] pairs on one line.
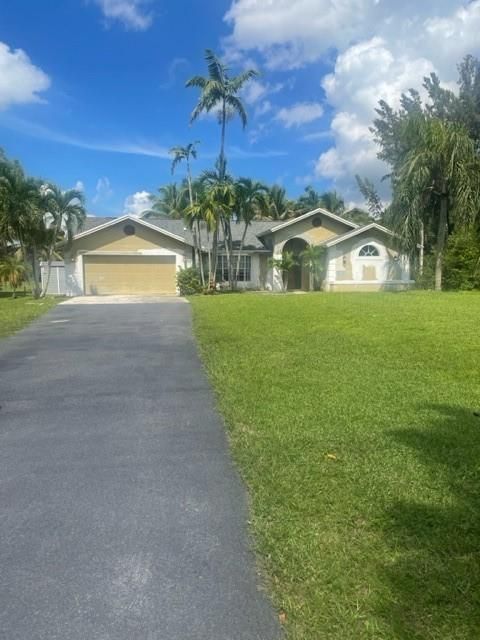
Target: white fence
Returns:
[[56, 284]]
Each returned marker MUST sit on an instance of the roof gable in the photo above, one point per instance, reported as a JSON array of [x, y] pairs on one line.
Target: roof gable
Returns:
[[307, 215], [127, 218], [357, 232]]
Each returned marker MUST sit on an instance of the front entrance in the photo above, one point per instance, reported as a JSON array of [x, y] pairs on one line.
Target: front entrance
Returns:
[[298, 277]]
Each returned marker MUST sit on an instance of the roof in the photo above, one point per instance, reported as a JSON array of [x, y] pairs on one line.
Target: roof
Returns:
[[104, 223], [178, 229], [356, 232], [304, 216]]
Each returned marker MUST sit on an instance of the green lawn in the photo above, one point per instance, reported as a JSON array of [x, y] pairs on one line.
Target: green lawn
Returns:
[[351, 419], [15, 313]]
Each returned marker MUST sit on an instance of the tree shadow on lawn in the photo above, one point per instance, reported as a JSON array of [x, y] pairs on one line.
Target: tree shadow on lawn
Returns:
[[434, 574]]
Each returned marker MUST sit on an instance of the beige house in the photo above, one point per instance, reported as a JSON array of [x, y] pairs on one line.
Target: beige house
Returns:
[[130, 255]]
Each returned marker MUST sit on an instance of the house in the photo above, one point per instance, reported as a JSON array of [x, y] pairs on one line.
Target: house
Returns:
[[129, 255]]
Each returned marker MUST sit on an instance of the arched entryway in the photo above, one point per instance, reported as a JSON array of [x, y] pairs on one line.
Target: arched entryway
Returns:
[[298, 278]]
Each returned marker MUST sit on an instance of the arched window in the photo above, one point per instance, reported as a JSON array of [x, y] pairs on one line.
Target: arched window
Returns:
[[369, 251]]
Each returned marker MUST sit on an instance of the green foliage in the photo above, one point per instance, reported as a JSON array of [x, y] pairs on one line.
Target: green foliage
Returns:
[[284, 264], [189, 281], [313, 257], [12, 272], [462, 261], [363, 470]]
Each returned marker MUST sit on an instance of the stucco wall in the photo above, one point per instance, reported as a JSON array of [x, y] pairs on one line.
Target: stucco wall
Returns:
[[113, 240], [346, 268]]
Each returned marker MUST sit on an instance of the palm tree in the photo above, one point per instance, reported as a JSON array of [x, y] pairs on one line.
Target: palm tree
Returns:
[[65, 215], [276, 205], [331, 201], [170, 202], [181, 154], [220, 92], [437, 184], [12, 272], [313, 258], [21, 217], [249, 196], [309, 201]]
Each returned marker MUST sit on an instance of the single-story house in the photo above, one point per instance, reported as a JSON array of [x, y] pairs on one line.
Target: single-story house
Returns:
[[129, 255]]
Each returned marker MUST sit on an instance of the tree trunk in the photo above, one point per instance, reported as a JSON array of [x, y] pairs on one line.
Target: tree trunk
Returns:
[[200, 256], [441, 239], [422, 249], [222, 167], [35, 273], [213, 266]]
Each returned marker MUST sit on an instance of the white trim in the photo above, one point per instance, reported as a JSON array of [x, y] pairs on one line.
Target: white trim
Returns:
[[358, 231], [304, 216], [115, 221], [360, 282]]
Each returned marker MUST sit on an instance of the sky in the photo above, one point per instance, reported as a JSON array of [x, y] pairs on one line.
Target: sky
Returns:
[[92, 92]]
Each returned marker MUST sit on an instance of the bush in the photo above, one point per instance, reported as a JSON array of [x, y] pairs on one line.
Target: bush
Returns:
[[189, 282], [462, 261]]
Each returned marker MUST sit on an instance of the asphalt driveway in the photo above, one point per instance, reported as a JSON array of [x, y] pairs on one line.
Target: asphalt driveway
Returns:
[[121, 515]]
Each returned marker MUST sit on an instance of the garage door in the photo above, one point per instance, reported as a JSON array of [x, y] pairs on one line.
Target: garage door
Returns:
[[129, 275]]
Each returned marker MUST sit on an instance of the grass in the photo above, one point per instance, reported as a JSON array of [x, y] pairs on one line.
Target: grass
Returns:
[[351, 419], [15, 313]]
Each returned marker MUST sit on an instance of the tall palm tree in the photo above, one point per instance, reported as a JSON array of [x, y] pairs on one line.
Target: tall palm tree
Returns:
[[249, 196], [181, 154], [170, 202], [276, 205], [65, 216], [219, 91], [437, 184], [313, 257]]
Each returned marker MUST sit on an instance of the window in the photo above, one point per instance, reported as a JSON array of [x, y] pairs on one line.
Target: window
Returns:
[[244, 272], [317, 221], [129, 230], [369, 251]]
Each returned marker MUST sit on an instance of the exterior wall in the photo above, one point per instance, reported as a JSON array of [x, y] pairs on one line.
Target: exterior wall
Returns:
[[347, 271], [312, 235], [113, 241]]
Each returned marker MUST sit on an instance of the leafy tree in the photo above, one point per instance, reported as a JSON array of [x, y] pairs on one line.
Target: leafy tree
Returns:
[[333, 202], [12, 272], [171, 201], [374, 203], [22, 217], [312, 199], [276, 205], [220, 92], [438, 182]]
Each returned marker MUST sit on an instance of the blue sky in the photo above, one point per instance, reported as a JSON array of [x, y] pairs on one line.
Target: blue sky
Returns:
[[92, 91]]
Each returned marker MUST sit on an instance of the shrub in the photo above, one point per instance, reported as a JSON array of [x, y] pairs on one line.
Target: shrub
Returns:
[[462, 261], [189, 282]]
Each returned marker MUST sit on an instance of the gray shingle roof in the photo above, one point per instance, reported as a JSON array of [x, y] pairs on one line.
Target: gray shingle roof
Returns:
[[178, 227]]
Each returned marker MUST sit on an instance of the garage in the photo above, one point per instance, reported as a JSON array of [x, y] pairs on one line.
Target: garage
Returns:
[[129, 274]]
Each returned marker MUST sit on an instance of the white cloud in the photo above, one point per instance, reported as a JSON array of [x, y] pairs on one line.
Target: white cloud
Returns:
[[137, 203], [300, 113], [377, 48], [20, 80], [131, 13], [79, 186], [103, 190]]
